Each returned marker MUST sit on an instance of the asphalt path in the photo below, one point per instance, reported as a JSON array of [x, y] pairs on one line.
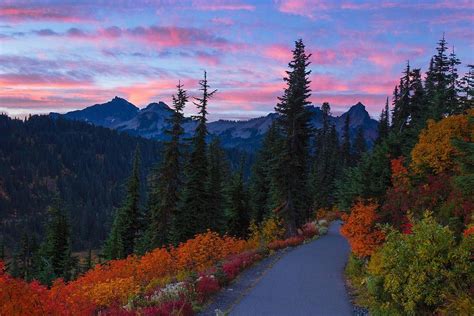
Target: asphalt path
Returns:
[[306, 281]]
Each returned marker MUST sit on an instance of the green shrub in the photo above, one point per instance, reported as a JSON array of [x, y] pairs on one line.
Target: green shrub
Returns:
[[323, 230], [417, 273], [356, 273]]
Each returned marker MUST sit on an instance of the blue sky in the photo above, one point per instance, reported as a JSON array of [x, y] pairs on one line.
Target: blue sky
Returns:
[[63, 55]]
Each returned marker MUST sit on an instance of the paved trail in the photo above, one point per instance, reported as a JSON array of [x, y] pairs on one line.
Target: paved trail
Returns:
[[306, 281]]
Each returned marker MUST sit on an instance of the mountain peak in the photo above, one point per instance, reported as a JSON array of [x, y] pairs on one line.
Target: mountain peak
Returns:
[[358, 109], [157, 107], [119, 101]]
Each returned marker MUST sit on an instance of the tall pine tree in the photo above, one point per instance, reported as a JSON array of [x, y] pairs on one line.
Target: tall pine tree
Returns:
[[437, 82], [401, 108], [346, 142], [360, 146], [193, 215], [126, 226], [384, 123], [55, 260], [466, 90], [294, 124], [218, 172], [237, 205], [265, 184], [326, 162], [166, 181]]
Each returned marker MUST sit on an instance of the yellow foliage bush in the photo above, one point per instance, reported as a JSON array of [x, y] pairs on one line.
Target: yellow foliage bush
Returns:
[[116, 291], [434, 150], [269, 230]]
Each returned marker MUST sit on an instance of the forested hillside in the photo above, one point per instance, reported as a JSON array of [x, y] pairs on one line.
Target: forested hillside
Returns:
[[86, 166]]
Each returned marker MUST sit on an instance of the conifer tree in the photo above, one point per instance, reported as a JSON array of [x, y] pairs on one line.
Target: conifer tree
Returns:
[[165, 181], [384, 123], [417, 101], [55, 251], [237, 207], [126, 226], [401, 108], [193, 215], [265, 185], [26, 262], [452, 89], [466, 90], [294, 124], [326, 162], [218, 172], [437, 82], [346, 143], [360, 146], [88, 263]]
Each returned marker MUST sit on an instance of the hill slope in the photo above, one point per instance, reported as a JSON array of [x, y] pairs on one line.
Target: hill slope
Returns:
[[85, 164]]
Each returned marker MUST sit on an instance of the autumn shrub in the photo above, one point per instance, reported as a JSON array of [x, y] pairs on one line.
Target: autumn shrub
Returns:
[[156, 264], [328, 214], [206, 285], [117, 311], [360, 229], [205, 250], [173, 308], [415, 274], [269, 230], [356, 274], [468, 231], [289, 242], [309, 230], [435, 151], [323, 230], [18, 297], [234, 265], [136, 282]]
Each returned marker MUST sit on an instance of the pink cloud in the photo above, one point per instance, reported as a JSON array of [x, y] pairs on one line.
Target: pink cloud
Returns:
[[154, 36], [44, 81], [222, 5], [321, 82], [302, 7], [17, 13], [249, 95], [145, 92], [278, 52]]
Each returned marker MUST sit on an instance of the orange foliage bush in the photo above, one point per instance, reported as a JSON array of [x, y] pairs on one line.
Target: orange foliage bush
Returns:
[[205, 250], [329, 214], [115, 282], [18, 297], [434, 150], [360, 230]]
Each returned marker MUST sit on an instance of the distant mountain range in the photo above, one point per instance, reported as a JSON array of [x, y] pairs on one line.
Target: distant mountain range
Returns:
[[151, 122]]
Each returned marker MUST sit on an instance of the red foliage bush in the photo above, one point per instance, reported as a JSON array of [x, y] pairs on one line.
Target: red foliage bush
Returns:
[[360, 229], [468, 231], [309, 230], [206, 286], [117, 311], [289, 242], [233, 266], [175, 308]]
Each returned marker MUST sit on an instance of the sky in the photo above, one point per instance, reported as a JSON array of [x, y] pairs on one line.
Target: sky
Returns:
[[65, 55]]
